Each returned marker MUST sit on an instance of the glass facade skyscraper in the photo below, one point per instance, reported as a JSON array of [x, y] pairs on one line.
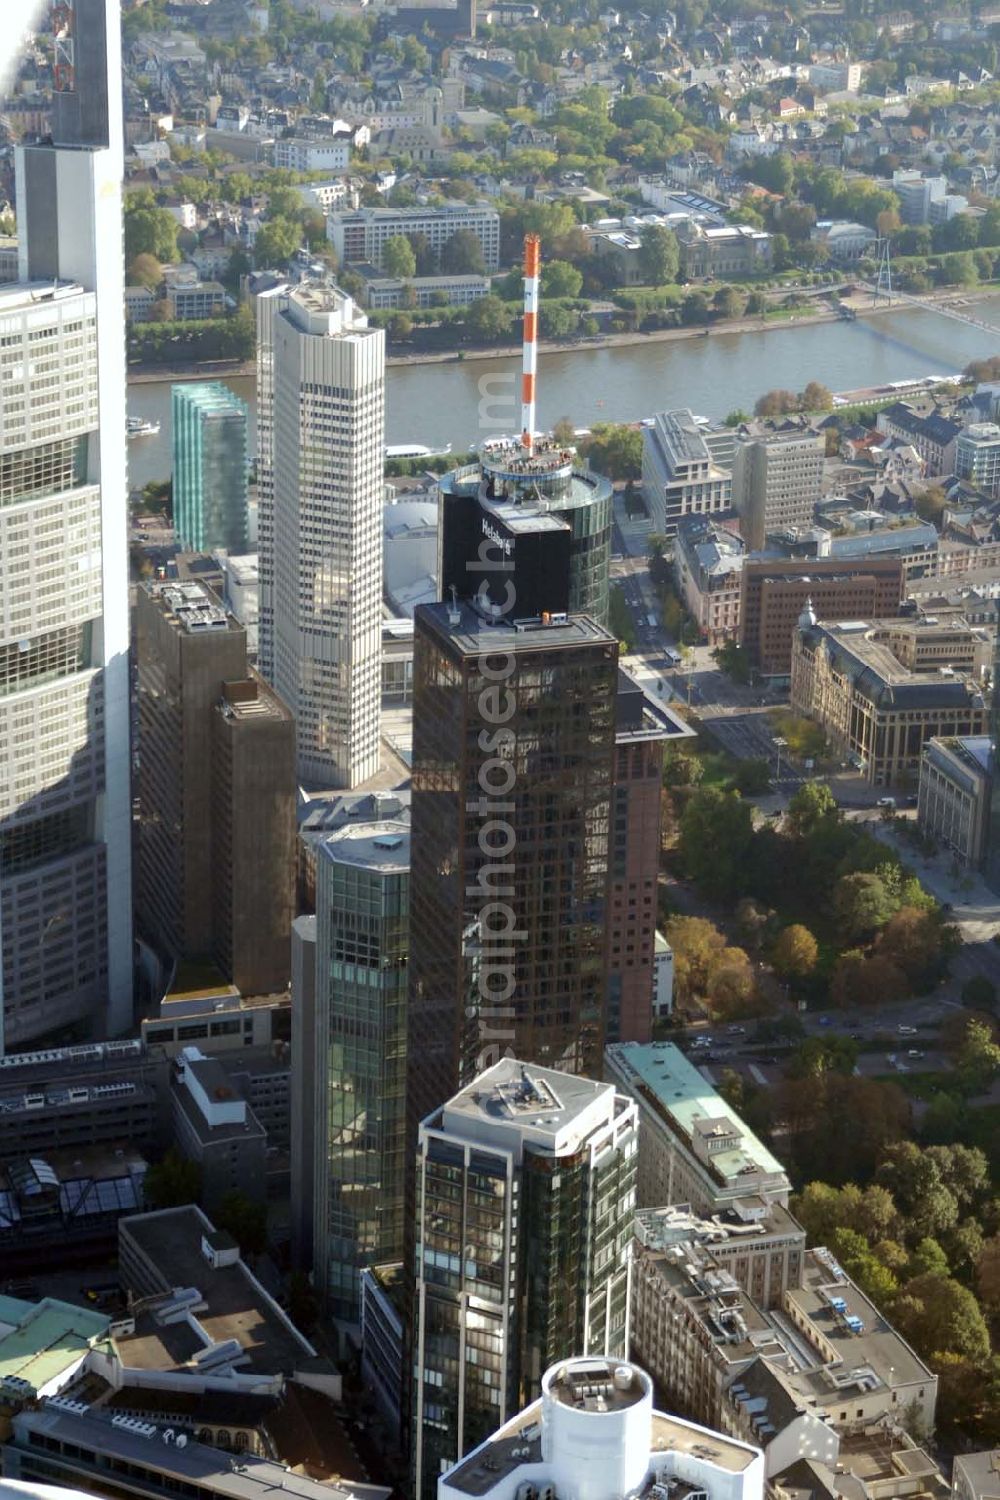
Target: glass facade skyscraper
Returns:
[[210, 467], [359, 1068], [525, 1201], [65, 791]]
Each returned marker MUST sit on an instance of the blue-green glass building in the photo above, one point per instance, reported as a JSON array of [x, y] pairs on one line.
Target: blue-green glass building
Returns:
[[211, 467]]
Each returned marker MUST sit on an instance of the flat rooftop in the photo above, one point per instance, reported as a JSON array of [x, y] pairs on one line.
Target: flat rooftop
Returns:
[[875, 1344], [660, 1071], [235, 1307], [192, 607], [40, 1340], [537, 1101], [473, 635], [380, 847], [239, 1476]]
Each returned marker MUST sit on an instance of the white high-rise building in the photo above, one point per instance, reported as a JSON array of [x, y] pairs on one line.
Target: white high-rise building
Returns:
[[65, 796], [320, 459], [595, 1435]]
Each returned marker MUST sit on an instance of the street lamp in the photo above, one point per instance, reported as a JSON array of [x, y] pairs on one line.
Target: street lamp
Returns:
[[779, 744]]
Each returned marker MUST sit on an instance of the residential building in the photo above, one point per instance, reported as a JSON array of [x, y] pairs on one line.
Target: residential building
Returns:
[[216, 792], [708, 562], [321, 410], [954, 795], [138, 303], [525, 1196], [925, 200], [877, 712], [693, 1149], [65, 805], [303, 154], [359, 1045], [635, 994], [976, 1476], [774, 593], [389, 292], [362, 235], [933, 435], [680, 475], [777, 480], [533, 532], [211, 467], [483, 869], [195, 300], [837, 77], [723, 250], [977, 457], [594, 1435], [215, 1127]]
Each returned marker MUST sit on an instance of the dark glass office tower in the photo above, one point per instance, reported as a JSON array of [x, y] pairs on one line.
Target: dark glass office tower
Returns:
[[513, 758], [525, 1203]]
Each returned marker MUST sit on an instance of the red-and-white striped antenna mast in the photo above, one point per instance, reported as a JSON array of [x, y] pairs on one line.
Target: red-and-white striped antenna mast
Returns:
[[529, 363]]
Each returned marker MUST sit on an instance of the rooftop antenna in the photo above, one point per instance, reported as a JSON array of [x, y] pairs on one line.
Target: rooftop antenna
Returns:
[[529, 360]]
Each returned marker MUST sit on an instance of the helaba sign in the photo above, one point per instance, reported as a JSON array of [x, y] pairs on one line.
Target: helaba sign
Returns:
[[503, 542]]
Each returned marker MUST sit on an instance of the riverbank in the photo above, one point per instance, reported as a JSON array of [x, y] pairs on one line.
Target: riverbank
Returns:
[[860, 305]]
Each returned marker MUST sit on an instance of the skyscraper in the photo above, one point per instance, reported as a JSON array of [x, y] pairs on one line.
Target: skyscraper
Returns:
[[321, 457], [216, 793], [210, 467], [513, 755], [359, 1051], [65, 799], [525, 1203]]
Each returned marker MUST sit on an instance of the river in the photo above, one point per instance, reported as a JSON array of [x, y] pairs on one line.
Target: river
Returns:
[[458, 402]]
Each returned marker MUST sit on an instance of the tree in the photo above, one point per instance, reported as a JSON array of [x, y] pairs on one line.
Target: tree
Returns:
[[615, 450], [795, 952], [400, 326], [398, 258], [752, 778], [145, 270], [938, 1316], [776, 403], [978, 1061], [988, 1272], [816, 397], [172, 1182], [811, 806], [489, 319], [732, 659], [696, 943], [149, 230], [930, 503], [728, 302], [659, 255], [276, 242], [462, 255], [928, 1259], [863, 1266], [911, 939], [861, 905], [560, 279], [715, 836], [245, 1219], [730, 983], [818, 1055]]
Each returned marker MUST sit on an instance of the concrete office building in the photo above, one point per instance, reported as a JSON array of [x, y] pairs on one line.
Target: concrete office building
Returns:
[[758, 1243], [773, 594], [643, 727], [211, 467], [976, 1476], [361, 235], [216, 792], [594, 1435], [953, 798], [65, 806], [216, 1128], [880, 690], [525, 1196], [359, 1046], [470, 998], [777, 480], [693, 1148], [680, 474], [320, 542], [977, 456]]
